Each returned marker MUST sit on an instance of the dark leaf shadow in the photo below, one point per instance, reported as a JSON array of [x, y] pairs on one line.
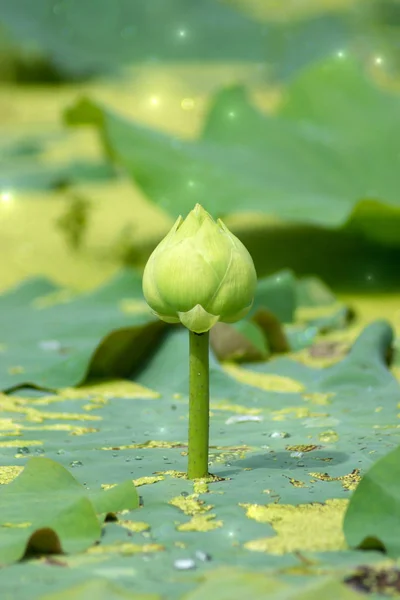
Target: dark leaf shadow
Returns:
[[318, 460]]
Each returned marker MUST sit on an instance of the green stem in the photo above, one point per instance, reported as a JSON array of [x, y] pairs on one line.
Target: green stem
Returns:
[[199, 405]]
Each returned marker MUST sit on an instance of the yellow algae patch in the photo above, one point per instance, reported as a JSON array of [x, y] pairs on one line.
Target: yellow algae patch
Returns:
[[396, 371], [190, 505], [371, 307], [295, 412], [147, 480], [182, 475], [349, 481], [9, 402], [8, 425], [38, 416], [18, 443], [306, 527], [144, 445], [95, 404], [96, 401], [21, 406], [16, 525], [11, 433], [230, 454], [200, 522], [200, 486], [302, 448], [129, 306], [264, 381], [297, 483], [305, 357], [100, 393], [172, 473], [135, 526], [329, 437], [73, 429], [115, 388], [318, 398], [235, 408], [108, 486], [126, 549], [9, 473]]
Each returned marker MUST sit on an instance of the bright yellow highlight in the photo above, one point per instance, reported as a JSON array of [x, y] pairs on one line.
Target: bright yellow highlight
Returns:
[[264, 381]]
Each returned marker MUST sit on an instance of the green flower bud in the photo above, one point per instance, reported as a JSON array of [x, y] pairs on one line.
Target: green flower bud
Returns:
[[200, 273]]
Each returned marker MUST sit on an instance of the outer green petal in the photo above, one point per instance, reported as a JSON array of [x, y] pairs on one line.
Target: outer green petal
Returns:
[[198, 319], [183, 278], [149, 283], [150, 290], [239, 283], [166, 318], [214, 245], [237, 316]]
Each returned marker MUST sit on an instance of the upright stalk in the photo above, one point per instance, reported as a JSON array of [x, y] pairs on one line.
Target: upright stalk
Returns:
[[199, 405]]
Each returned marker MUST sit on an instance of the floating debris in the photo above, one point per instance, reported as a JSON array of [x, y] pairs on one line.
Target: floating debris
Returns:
[[184, 564], [279, 434], [243, 419], [50, 345], [379, 581], [295, 483], [203, 556], [296, 455]]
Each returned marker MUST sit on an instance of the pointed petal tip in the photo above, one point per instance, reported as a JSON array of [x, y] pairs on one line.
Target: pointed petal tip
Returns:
[[177, 223]]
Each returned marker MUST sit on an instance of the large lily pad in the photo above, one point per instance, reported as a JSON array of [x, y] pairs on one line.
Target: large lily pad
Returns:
[[102, 38], [50, 339], [305, 164], [289, 441], [45, 510]]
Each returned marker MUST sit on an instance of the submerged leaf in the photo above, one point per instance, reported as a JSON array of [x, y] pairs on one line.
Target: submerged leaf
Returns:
[[333, 159]]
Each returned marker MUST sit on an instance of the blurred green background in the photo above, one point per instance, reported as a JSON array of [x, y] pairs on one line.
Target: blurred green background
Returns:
[[281, 117]]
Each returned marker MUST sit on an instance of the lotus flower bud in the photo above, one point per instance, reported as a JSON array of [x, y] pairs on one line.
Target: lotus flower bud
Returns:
[[200, 273]]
